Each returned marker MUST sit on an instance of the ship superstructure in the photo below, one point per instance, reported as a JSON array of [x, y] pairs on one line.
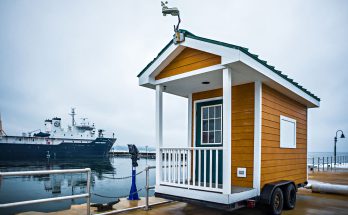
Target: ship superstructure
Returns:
[[77, 140]]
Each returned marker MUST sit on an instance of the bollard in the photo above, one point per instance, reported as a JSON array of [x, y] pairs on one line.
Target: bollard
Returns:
[[318, 164], [327, 161], [133, 193], [313, 165], [331, 163]]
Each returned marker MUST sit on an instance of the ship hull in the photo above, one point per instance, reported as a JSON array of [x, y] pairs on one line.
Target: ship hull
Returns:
[[99, 147]]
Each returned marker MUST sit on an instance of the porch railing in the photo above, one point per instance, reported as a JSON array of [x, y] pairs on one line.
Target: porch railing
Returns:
[[197, 168]]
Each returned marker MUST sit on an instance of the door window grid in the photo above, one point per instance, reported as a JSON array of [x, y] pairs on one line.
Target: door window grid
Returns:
[[211, 122]]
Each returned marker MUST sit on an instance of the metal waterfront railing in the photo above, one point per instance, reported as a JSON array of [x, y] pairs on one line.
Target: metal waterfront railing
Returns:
[[326, 163], [86, 195]]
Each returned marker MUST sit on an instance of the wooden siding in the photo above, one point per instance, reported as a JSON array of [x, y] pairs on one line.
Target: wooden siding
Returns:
[[282, 163], [188, 60], [243, 133], [242, 129]]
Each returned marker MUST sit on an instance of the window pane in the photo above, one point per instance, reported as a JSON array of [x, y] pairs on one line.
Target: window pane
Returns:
[[211, 137], [217, 124], [217, 136], [218, 111], [205, 137], [211, 112], [205, 125], [205, 113], [211, 125]]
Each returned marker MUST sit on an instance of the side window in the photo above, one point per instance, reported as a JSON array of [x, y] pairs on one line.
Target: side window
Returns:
[[287, 132]]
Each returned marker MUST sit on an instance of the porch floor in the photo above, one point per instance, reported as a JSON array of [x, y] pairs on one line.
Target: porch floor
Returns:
[[234, 189]]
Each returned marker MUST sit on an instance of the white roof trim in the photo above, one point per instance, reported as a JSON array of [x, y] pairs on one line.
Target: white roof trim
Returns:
[[161, 62], [228, 56]]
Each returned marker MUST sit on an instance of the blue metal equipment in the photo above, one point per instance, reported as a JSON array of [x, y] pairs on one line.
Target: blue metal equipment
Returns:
[[134, 152]]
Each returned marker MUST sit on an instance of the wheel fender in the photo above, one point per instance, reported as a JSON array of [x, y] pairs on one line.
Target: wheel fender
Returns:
[[268, 189]]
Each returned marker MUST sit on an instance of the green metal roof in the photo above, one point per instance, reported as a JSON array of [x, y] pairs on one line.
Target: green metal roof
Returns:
[[242, 49]]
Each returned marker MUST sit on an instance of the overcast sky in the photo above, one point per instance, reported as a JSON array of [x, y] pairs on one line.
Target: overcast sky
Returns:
[[59, 54]]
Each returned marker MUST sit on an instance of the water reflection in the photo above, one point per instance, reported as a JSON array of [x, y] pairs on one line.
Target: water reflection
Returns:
[[21, 188]]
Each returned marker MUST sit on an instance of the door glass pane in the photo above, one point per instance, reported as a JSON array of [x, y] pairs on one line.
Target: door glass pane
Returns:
[[205, 137], [211, 112], [211, 125], [218, 111], [217, 136], [205, 113], [217, 124], [211, 137], [205, 125]]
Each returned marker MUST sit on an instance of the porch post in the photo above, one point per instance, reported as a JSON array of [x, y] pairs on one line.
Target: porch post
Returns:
[[227, 129], [159, 134], [189, 126], [257, 136]]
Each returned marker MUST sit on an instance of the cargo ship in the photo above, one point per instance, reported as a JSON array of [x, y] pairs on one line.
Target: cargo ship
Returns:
[[78, 140]]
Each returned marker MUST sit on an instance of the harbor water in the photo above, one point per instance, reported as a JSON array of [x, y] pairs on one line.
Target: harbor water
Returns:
[[103, 182]]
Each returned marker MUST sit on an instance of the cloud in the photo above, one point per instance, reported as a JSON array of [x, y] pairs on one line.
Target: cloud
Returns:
[[86, 54]]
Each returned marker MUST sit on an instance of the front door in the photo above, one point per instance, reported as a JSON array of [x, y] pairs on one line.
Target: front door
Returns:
[[209, 134]]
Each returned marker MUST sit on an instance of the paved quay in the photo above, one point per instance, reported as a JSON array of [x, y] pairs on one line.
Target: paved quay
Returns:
[[308, 203]]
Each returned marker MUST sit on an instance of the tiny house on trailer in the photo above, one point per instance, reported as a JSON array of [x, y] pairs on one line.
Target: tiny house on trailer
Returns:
[[247, 126]]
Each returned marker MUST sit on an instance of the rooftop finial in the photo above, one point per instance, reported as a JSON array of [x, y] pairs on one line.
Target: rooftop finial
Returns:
[[174, 11]]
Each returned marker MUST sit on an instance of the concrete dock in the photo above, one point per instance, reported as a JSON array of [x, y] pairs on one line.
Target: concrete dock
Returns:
[[307, 203]]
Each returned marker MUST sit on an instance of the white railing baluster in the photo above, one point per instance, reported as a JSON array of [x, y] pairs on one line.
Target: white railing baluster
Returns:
[[170, 166], [174, 166], [166, 154], [205, 169], [210, 168], [163, 155], [179, 166], [199, 167], [189, 167], [183, 165], [194, 155], [217, 169]]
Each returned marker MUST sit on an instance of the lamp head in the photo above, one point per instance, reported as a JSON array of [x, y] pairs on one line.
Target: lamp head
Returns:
[[174, 11], [342, 135]]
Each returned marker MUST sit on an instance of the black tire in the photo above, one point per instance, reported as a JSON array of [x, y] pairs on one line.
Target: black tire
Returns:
[[277, 201], [290, 197]]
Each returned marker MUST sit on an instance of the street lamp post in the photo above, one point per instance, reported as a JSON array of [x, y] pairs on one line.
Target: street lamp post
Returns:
[[342, 136]]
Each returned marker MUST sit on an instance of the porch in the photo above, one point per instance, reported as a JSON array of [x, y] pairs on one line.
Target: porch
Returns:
[[202, 170], [196, 173]]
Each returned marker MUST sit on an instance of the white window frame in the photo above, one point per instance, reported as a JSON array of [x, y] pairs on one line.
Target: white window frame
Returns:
[[284, 119], [208, 106]]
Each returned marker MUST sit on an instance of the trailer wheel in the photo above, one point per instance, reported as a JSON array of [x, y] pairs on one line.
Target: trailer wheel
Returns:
[[276, 204], [290, 197]]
